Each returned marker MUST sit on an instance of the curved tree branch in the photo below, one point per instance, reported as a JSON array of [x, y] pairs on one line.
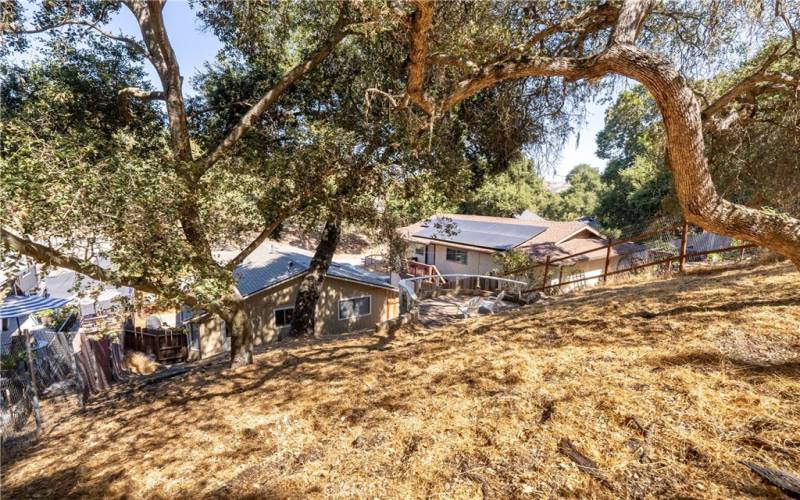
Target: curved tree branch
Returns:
[[571, 68], [47, 255], [132, 43], [686, 158], [125, 95], [421, 23], [747, 84], [151, 22], [248, 120]]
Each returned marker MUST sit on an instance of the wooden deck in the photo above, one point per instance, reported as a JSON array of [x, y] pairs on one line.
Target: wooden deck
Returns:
[[441, 310]]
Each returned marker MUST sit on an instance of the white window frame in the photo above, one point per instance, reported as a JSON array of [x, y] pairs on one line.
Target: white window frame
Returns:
[[275, 319], [448, 259], [339, 307], [419, 250]]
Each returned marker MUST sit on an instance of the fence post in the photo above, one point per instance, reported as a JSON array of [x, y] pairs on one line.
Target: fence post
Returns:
[[546, 271], [608, 260], [684, 241], [560, 277], [37, 414]]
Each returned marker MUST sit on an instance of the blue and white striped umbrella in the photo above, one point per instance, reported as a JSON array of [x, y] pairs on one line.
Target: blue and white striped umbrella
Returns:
[[15, 306]]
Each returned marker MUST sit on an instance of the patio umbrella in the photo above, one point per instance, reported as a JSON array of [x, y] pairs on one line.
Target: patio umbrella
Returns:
[[15, 306]]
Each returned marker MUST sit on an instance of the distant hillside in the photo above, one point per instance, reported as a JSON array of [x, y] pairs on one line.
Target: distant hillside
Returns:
[[665, 386]]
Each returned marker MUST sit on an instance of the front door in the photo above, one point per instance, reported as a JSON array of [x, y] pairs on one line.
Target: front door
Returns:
[[430, 254]]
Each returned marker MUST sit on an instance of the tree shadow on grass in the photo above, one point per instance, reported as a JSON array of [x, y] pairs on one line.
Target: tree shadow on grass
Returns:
[[726, 307], [194, 385], [64, 483], [715, 360]]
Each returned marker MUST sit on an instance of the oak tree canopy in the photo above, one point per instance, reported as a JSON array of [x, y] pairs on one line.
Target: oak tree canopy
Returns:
[[313, 98]]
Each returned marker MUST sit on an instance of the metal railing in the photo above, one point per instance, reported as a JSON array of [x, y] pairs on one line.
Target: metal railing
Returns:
[[413, 289]]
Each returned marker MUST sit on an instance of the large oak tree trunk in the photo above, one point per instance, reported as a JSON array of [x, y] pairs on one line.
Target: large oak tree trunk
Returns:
[[305, 305], [241, 334], [686, 158]]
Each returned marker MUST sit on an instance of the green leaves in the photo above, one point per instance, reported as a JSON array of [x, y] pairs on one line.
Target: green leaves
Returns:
[[509, 193], [581, 198]]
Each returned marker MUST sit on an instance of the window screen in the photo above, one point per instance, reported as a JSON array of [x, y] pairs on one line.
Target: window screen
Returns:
[[194, 337], [353, 308], [283, 317], [456, 255]]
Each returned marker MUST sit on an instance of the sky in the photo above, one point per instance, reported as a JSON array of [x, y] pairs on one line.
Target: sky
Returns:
[[194, 47], [580, 147]]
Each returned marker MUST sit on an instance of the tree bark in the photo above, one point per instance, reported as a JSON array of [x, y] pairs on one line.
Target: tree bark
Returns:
[[241, 334], [421, 22], [305, 305], [686, 158]]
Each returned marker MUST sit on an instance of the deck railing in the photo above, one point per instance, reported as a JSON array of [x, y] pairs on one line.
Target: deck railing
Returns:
[[412, 290], [418, 269]]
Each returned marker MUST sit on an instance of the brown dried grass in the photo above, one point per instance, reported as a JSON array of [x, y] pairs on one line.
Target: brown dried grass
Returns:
[[139, 363], [664, 385]]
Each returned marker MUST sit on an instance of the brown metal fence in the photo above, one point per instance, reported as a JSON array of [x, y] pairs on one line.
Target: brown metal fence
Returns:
[[662, 251]]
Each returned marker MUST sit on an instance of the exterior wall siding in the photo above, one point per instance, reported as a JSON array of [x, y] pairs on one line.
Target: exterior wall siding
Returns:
[[261, 308], [590, 269], [477, 262]]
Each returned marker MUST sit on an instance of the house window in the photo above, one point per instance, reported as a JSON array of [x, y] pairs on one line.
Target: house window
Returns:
[[355, 308], [283, 317], [194, 336], [5, 324], [419, 250], [456, 255], [223, 327]]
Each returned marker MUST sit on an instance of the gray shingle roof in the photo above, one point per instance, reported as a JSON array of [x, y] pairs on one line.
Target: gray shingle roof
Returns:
[[267, 267]]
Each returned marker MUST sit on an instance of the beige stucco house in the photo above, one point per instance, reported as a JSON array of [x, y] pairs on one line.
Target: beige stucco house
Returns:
[[470, 244], [351, 300]]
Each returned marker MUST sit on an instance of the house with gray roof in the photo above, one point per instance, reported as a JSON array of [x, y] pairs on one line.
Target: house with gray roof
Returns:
[[352, 299], [472, 244]]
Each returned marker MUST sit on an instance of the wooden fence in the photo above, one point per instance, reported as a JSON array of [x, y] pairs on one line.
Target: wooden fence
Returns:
[[418, 269], [167, 345], [653, 257]]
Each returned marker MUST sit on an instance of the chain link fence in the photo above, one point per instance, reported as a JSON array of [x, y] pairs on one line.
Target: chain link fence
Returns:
[[37, 382], [48, 375]]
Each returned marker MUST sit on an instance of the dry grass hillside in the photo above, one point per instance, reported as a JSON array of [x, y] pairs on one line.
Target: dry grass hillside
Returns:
[[666, 386]]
